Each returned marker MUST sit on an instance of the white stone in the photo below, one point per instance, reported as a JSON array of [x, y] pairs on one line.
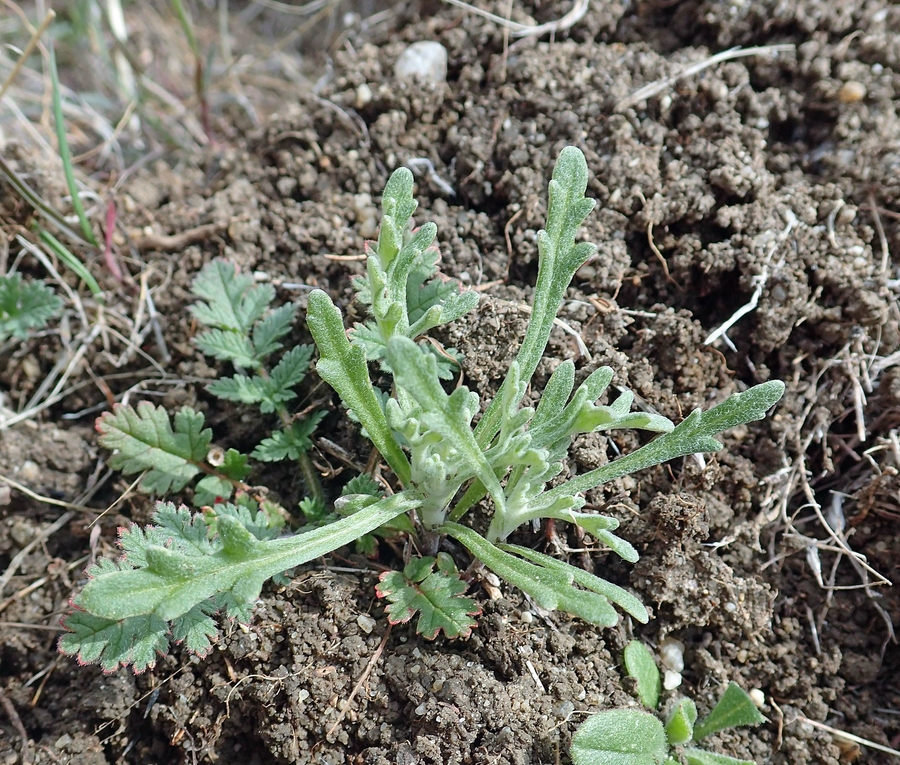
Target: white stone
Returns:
[[424, 62], [671, 654], [671, 680]]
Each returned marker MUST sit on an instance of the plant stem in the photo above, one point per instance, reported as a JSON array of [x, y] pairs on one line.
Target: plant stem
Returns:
[[313, 484]]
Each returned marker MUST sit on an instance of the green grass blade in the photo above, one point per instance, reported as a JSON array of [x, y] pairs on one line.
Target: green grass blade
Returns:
[[80, 269], [64, 154]]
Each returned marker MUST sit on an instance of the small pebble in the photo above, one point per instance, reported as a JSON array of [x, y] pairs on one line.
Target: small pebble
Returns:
[[671, 654], [366, 623], [847, 214], [564, 709], [757, 697], [29, 471], [851, 92], [363, 95], [671, 680], [424, 62]]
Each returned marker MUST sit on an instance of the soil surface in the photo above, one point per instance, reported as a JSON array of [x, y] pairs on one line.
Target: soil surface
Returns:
[[770, 182]]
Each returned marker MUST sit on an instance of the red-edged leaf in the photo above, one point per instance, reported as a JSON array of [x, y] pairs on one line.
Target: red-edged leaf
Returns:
[[436, 596]]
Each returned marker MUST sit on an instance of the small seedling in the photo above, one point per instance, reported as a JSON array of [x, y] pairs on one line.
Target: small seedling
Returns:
[[25, 306], [634, 737], [442, 463], [244, 330], [510, 457]]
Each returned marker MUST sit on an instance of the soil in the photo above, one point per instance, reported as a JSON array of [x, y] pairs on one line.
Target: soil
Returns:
[[754, 182]]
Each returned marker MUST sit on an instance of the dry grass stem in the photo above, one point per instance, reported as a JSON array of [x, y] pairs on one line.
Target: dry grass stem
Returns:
[[28, 50], [345, 706], [569, 20], [847, 736], [648, 91]]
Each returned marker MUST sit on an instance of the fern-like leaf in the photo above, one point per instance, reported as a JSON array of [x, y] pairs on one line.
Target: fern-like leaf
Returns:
[[196, 629], [276, 325], [234, 302], [25, 306], [290, 442]]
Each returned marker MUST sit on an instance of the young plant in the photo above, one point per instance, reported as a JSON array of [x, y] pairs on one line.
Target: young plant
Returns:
[[178, 572], [634, 737], [25, 306], [244, 331], [175, 574], [443, 463], [427, 436]]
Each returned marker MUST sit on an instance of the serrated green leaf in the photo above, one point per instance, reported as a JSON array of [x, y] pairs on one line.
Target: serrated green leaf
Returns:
[[134, 540], [233, 300], [227, 345], [680, 722], [363, 484], [436, 596], [176, 581], [703, 757], [25, 306], [197, 629], [291, 368], [267, 332], [423, 293], [185, 530], [259, 523], [135, 641], [734, 709], [640, 665], [620, 737], [235, 465], [368, 337], [290, 442], [240, 387], [315, 511], [143, 439], [239, 610], [212, 489], [269, 392]]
